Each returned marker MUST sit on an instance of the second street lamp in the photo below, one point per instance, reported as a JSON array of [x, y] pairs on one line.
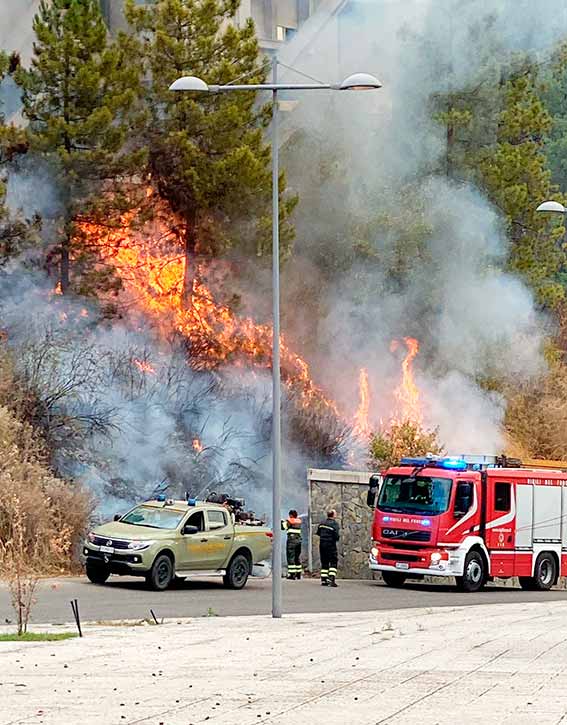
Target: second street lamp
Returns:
[[555, 207], [356, 82]]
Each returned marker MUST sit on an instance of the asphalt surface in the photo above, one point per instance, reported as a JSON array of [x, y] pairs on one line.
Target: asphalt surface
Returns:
[[128, 598]]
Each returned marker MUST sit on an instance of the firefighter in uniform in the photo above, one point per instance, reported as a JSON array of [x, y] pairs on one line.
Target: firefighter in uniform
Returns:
[[329, 533], [292, 525]]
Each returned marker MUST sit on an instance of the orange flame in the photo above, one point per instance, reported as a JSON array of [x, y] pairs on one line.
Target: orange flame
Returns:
[[407, 393], [361, 421], [144, 367], [197, 445], [152, 274]]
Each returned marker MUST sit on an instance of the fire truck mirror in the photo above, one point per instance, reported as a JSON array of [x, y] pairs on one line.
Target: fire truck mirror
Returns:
[[373, 486], [463, 499]]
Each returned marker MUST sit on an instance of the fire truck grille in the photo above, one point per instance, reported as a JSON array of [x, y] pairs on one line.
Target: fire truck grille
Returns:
[[406, 535], [401, 557], [106, 541]]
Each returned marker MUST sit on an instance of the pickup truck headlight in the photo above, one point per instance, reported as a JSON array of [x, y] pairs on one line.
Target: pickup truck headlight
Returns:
[[91, 537], [138, 545], [374, 552]]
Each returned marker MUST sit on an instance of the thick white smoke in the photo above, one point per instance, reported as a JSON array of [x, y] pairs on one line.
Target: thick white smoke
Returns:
[[472, 318]]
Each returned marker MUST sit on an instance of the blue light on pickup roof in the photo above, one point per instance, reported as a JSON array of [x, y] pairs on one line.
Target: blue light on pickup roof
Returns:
[[191, 502], [426, 522]]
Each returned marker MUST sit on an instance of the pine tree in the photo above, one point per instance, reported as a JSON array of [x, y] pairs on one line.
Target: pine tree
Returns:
[[554, 95], [206, 152], [16, 233], [514, 173], [79, 95]]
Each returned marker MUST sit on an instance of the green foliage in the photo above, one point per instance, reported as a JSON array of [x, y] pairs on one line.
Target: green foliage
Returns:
[[554, 95], [405, 438], [515, 175], [16, 233], [206, 152], [79, 97]]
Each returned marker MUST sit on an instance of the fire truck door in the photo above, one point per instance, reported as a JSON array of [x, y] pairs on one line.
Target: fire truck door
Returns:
[[500, 525]]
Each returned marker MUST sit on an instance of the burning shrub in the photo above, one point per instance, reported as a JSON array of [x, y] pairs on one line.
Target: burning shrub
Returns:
[[315, 425], [405, 438]]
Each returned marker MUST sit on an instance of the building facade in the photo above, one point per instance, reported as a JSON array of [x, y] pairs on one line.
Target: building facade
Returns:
[[276, 21]]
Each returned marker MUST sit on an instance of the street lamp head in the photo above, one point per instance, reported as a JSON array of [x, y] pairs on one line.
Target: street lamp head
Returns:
[[360, 82], [189, 83], [553, 206]]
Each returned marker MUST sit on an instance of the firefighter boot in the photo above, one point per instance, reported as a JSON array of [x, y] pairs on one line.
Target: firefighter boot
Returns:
[[332, 582]]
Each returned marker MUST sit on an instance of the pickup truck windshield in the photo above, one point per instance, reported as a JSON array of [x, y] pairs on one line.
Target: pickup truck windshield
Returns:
[[153, 518], [415, 495]]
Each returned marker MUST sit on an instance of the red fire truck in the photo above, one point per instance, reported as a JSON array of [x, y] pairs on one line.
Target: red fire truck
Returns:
[[470, 517]]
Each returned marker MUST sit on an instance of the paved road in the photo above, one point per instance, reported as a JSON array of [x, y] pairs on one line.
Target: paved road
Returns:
[[128, 598]]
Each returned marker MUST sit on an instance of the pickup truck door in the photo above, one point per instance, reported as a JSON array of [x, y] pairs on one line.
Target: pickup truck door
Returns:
[[192, 551], [220, 533]]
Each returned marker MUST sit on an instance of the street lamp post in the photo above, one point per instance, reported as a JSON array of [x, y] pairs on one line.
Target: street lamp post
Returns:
[[356, 82], [555, 207]]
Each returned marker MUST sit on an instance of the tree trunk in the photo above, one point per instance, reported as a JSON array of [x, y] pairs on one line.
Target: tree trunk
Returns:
[[190, 271], [449, 151], [64, 267]]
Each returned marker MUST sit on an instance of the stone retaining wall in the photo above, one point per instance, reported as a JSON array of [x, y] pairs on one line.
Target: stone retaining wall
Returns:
[[346, 492]]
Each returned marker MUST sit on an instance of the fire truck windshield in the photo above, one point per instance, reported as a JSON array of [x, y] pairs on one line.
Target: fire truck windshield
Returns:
[[415, 495]]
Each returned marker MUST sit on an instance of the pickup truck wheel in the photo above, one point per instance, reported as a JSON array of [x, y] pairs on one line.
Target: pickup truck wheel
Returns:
[[474, 573], [393, 579], [161, 574], [97, 573], [237, 573]]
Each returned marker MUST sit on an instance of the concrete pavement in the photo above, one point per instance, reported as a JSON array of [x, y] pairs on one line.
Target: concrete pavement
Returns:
[[127, 598], [504, 664]]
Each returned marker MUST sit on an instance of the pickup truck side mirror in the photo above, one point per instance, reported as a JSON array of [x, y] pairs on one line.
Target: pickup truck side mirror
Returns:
[[188, 529], [117, 517]]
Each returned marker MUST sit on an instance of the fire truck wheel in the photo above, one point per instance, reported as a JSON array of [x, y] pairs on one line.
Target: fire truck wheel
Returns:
[[237, 573], [97, 574], [393, 579], [474, 576], [545, 572], [161, 573]]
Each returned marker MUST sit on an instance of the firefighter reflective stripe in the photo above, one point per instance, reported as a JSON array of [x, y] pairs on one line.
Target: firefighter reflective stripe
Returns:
[[324, 573], [332, 571], [323, 526], [294, 531], [294, 568]]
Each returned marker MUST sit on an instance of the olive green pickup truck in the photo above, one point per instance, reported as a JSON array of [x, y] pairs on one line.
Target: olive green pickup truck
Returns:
[[165, 540]]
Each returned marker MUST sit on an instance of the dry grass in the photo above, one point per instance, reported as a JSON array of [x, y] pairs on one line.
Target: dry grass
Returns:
[[536, 417], [41, 516]]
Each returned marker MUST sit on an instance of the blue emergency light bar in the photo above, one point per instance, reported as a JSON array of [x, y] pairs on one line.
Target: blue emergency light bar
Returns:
[[449, 464]]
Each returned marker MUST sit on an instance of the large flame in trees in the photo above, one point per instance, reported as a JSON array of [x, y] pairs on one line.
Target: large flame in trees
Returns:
[[407, 393], [361, 418], [152, 273]]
